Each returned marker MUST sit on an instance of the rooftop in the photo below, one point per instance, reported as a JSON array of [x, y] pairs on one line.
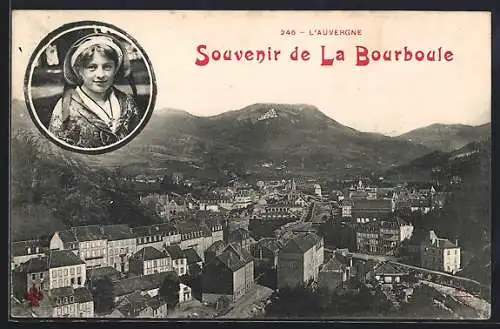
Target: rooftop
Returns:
[[141, 283], [35, 265], [301, 242], [83, 295], [117, 232], [20, 248], [270, 244], [165, 228], [67, 236], [234, 258], [60, 258], [216, 247], [149, 253], [388, 268], [378, 204], [99, 272], [88, 233], [192, 256], [175, 252]]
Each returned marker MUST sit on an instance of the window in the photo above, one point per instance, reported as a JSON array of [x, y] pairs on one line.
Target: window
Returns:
[[29, 250], [60, 282], [65, 300], [71, 299], [41, 275], [155, 263], [78, 270], [66, 282], [37, 250], [42, 286], [54, 284], [72, 281], [59, 273], [33, 276], [65, 272], [79, 280]]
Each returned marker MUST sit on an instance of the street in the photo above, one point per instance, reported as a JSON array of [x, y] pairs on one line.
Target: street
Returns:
[[481, 306], [243, 307]]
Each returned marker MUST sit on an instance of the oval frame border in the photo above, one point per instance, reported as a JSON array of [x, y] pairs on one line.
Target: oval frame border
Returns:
[[30, 106]]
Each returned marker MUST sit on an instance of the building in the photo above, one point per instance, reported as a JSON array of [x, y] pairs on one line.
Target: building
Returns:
[[149, 260], [179, 259], [300, 259], [185, 292], [22, 251], [440, 254], [336, 270], [64, 240], [387, 273], [241, 238], [346, 208], [371, 207], [92, 245], [32, 273], [380, 237], [214, 250], [68, 302], [121, 245], [229, 274], [104, 272], [265, 252], [199, 235], [194, 261], [149, 284], [367, 238], [66, 269], [140, 305], [155, 236]]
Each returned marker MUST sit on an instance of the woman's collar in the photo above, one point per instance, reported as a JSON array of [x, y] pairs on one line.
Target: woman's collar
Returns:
[[98, 110]]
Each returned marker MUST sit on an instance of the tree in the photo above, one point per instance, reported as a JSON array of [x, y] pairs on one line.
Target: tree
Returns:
[[170, 289], [102, 290]]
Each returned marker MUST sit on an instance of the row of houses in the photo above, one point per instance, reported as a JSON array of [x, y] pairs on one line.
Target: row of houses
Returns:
[[114, 245], [380, 237]]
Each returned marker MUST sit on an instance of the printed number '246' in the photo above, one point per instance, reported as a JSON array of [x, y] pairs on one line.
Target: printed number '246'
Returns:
[[287, 32]]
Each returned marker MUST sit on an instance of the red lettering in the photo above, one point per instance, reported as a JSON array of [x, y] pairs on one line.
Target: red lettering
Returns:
[[205, 60], [361, 56], [305, 55], [325, 61], [249, 55], [238, 54], [448, 56], [408, 54]]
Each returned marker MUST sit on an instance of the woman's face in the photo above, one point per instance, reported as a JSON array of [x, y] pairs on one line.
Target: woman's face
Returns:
[[99, 74]]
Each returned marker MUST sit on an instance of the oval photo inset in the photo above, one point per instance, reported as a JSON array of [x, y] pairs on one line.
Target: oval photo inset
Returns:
[[90, 87]]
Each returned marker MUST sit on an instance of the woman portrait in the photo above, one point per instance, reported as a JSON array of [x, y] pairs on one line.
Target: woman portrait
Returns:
[[85, 93]]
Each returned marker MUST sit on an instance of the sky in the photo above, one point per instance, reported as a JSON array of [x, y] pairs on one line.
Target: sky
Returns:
[[386, 97]]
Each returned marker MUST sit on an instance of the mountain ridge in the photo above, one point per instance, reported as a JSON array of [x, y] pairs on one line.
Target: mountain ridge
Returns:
[[447, 137]]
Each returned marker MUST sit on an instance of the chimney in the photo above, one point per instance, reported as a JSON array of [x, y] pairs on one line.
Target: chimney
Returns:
[[456, 242]]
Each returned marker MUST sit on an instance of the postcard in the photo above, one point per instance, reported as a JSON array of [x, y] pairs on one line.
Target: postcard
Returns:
[[257, 165]]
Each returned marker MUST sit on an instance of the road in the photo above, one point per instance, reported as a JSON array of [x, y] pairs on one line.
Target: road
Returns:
[[481, 306], [243, 307]]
